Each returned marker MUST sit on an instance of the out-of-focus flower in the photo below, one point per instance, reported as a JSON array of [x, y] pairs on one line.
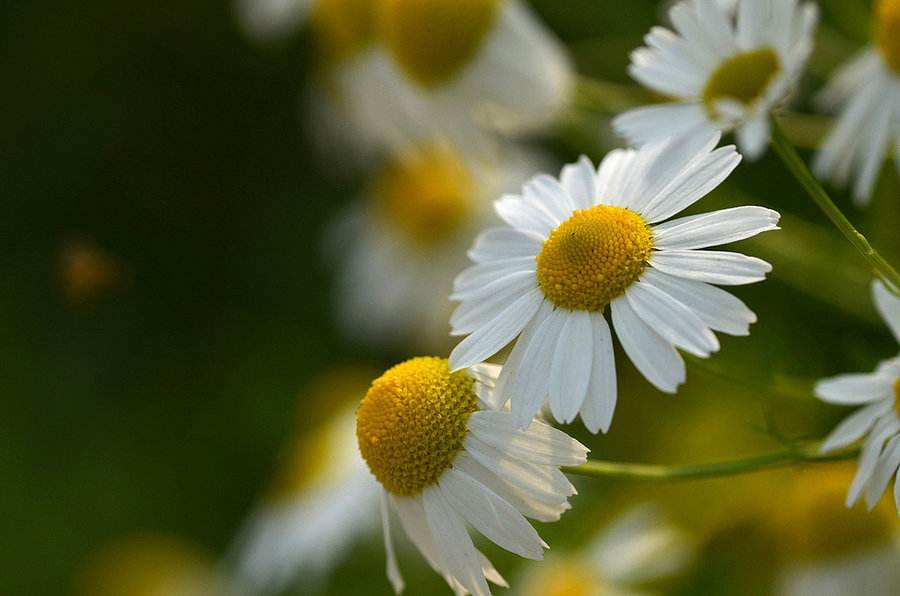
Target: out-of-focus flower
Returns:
[[636, 554], [723, 74], [445, 458], [878, 420], [400, 248], [87, 272], [829, 550], [322, 498], [151, 566], [596, 239], [267, 21], [867, 92]]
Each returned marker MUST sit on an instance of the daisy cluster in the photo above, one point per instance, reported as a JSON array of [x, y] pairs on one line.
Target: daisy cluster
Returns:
[[538, 277]]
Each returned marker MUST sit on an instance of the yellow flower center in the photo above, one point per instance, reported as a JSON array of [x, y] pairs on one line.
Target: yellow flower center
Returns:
[[427, 197], [342, 27], [591, 258], [742, 78], [432, 40], [887, 32], [412, 423]]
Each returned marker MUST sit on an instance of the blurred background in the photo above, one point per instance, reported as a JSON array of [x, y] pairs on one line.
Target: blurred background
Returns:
[[168, 303]]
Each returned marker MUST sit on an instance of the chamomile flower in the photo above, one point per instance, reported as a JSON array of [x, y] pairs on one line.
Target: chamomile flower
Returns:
[[722, 73], [867, 92], [596, 239], [398, 250], [879, 418], [638, 551], [321, 500], [444, 459]]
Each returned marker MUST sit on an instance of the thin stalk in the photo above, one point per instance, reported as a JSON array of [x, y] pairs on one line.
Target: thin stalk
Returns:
[[803, 454], [884, 270]]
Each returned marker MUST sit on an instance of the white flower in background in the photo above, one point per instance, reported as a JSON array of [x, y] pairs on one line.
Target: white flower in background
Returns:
[[597, 239], [321, 501], [266, 21], [639, 550], [721, 73], [877, 421], [398, 251], [445, 459], [867, 92]]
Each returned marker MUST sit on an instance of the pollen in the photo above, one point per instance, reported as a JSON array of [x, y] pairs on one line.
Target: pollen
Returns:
[[342, 28], [427, 197], [412, 423], [887, 32], [742, 78], [591, 258], [433, 40]]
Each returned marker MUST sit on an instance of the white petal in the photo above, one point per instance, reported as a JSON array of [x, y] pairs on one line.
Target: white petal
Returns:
[[475, 281], [869, 458], [412, 518], [713, 229], [853, 427], [504, 243], [478, 310], [530, 388], [489, 514], [579, 180], [884, 470], [600, 403], [717, 308], [489, 340], [453, 542], [753, 137], [671, 319], [888, 306], [753, 22], [393, 571], [539, 444], [651, 354], [611, 174], [854, 389], [550, 194], [545, 483], [510, 370], [648, 124], [714, 267], [524, 215], [571, 369]]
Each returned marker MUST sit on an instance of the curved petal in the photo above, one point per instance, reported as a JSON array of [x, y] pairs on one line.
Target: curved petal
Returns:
[[653, 356], [570, 372], [714, 229], [714, 267], [600, 403], [855, 389], [671, 319]]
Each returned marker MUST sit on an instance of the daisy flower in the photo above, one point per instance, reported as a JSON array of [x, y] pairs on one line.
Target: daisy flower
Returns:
[[722, 73], [599, 238], [877, 421], [398, 249], [313, 510], [867, 91], [445, 459], [638, 550]]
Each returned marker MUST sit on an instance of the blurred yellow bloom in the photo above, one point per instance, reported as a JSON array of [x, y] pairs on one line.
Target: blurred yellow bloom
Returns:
[[87, 272]]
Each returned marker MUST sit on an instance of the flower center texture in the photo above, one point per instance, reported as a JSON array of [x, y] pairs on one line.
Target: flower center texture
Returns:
[[591, 258], [432, 40], [342, 27], [887, 32], [742, 78], [427, 198], [412, 423]]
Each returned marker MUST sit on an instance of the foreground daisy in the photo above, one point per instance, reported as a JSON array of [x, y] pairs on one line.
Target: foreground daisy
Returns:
[[398, 249], [722, 73], [867, 91], [445, 459], [596, 239], [317, 505], [878, 420], [637, 551]]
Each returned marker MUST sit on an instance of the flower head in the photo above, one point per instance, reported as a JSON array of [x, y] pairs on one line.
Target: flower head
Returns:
[[722, 73], [597, 238], [879, 418], [445, 458]]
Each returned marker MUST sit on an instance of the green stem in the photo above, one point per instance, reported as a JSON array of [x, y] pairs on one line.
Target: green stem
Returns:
[[798, 168], [807, 453]]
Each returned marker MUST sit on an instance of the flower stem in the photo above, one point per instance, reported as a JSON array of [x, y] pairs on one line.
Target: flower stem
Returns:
[[807, 453], [884, 270]]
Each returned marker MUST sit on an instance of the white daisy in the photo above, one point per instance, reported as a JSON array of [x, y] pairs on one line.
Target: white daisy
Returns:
[[867, 91], [446, 459], [597, 238], [878, 420], [398, 250], [317, 506], [721, 73], [638, 550]]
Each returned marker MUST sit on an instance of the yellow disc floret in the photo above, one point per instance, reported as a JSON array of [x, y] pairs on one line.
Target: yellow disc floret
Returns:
[[412, 423], [887, 32], [342, 27], [426, 196], [591, 258], [432, 40], [742, 78]]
